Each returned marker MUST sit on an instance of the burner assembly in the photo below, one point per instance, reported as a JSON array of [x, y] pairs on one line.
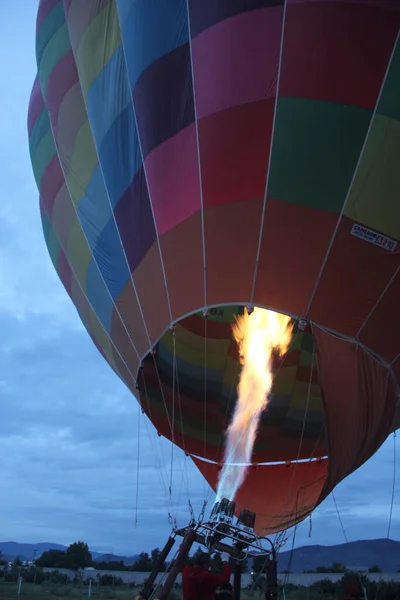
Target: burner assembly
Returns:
[[220, 533]]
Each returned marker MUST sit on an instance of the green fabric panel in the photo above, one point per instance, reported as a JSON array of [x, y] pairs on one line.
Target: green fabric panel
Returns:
[[54, 20], [44, 153], [389, 103], [95, 50], [56, 48], [307, 360], [80, 166], [374, 200], [78, 253], [46, 225], [297, 416], [315, 151], [53, 247], [39, 130]]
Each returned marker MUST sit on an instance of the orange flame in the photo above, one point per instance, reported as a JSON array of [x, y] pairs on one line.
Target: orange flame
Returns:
[[258, 335]]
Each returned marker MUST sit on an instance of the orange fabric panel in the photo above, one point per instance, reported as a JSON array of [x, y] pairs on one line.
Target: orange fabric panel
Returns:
[[280, 495], [359, 402]]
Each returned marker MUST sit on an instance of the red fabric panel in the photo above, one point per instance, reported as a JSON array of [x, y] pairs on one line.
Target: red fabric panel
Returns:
[[293, 246], [396, 420], [218, 330], [355, 275], [382, 329], [359, 403], [336, 39], [280, 495], [184, 268], [234, 147], [152, 309], [396, 369], [232, 255]]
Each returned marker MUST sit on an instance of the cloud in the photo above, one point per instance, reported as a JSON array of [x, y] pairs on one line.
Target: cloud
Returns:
[[24, 264], [68, 427]]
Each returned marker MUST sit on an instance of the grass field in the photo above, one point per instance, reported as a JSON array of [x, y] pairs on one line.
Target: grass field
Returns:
[[52, 591], [49, 591], [8, 591]]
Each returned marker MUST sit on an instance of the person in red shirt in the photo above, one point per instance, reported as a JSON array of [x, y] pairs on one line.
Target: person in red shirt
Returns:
[[352, 592], [199, 583]]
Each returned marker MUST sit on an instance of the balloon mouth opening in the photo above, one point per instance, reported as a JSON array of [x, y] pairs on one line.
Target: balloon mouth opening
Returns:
[[197, 359]]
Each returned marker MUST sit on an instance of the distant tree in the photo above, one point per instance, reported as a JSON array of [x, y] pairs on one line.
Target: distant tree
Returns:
[[375, 569], [338, 567], [143, 563], [52, 558], [18, 562], [78, 556], [323, 569], [155, 553], [112, 565]]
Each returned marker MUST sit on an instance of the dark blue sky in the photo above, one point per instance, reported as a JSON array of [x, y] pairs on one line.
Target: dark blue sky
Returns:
[[68, 427]]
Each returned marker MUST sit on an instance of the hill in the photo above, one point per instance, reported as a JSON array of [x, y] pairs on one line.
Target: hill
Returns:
[[358, 555], [127, 560], [12, 550]]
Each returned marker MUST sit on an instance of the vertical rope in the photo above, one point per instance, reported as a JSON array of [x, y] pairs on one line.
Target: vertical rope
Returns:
[[391, 501], [138, 465], [205, 401], [173, 411], [340, 518]]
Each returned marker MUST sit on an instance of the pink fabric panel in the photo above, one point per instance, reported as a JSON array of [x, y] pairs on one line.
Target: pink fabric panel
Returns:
[[235, 62], [52, 182], [36, 106], [62, 78], [384, 4], [172, 171], [45, 8]]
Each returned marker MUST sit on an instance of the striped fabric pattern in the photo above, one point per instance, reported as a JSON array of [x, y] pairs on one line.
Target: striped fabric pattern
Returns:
[[216, 154]]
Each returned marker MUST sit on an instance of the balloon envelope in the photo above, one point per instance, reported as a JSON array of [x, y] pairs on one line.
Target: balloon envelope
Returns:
[[208, 155]]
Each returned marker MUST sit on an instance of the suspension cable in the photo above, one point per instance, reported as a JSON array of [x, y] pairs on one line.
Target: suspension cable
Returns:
[[205, 402], [339, 517], [138, 465], [294, 513], [391, 499], [173, 411]]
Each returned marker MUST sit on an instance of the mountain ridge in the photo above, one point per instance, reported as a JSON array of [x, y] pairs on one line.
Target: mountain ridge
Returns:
[[26, 551], [359, 555]]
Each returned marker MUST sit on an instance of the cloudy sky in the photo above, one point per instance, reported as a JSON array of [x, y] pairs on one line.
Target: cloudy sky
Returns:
[[68, 427]]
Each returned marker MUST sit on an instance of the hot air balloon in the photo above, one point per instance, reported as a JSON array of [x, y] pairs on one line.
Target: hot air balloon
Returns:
[[197, 157]]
